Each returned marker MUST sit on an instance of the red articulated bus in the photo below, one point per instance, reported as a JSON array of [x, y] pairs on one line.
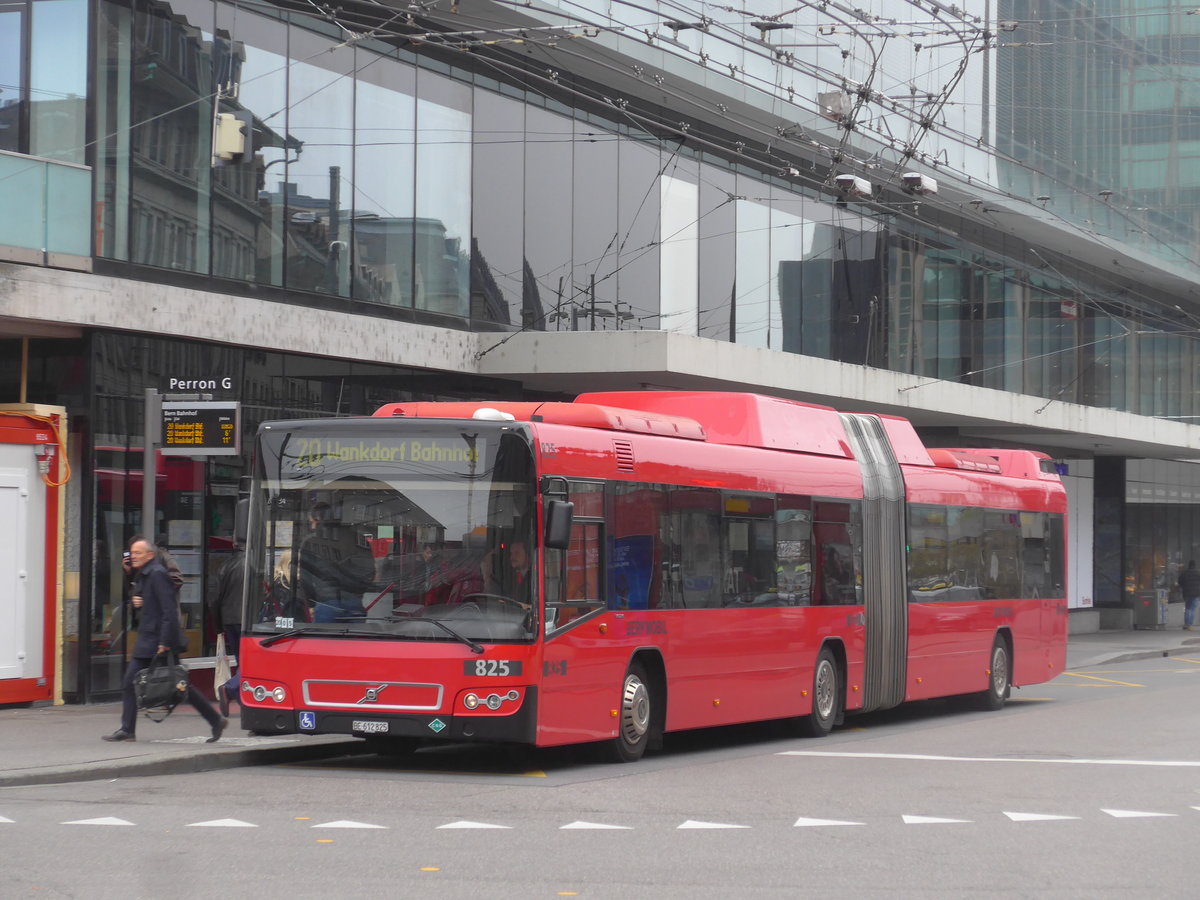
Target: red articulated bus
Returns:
[[636, 563]]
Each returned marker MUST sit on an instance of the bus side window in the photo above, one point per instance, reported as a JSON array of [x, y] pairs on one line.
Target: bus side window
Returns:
[[576, 576]]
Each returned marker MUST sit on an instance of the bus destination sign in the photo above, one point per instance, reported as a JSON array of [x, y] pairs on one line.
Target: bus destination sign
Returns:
[[201, 428]]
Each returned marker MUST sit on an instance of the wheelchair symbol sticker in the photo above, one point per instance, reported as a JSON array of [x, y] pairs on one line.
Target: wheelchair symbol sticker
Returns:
[[308, 721]]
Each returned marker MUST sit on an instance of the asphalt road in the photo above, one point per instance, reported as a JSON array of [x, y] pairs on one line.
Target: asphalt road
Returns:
[[1087, 787]]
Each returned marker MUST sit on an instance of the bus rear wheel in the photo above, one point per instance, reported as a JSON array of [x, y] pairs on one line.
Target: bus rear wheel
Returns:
[[634, 717], [999, 676], [826, 696]]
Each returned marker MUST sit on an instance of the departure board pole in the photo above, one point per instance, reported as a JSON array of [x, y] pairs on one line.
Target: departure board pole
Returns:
[[151, 427]]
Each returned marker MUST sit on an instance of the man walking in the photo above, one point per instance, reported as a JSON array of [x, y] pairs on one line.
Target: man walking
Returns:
[[227, 617], [1189, 586], [158, 632]]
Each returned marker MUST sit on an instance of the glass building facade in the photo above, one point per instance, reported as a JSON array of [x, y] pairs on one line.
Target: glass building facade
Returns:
[[403, 185]]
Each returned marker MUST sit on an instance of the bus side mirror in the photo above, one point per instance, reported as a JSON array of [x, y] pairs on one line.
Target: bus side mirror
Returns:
[[558, 524]]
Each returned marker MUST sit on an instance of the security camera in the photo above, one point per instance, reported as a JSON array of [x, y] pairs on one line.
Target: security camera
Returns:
[[853, 186], [916, 183]]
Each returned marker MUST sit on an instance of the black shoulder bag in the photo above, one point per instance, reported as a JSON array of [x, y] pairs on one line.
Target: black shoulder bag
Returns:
[[161, 686]]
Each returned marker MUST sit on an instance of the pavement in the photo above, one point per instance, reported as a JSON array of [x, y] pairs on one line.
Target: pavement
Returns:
[[56, 744]]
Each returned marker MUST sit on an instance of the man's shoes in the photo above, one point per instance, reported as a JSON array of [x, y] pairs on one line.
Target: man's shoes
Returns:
[[218, 730], [120, 735], [223, 700]]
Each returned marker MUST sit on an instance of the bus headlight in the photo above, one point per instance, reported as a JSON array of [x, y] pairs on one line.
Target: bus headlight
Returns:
[[494, 701], [261, 692]]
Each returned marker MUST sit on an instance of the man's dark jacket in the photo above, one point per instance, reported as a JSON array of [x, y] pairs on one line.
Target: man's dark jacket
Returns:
[[227, 607], [159, 623], [1189, 582]]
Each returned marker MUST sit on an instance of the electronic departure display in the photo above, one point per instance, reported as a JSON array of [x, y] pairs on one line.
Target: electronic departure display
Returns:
[[201, 428]]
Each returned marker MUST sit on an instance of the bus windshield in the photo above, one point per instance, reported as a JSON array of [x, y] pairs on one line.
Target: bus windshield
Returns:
[[394, 529]]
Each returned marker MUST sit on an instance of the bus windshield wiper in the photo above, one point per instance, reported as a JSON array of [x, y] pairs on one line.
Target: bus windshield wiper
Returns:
[[296, 632], [475, 647]]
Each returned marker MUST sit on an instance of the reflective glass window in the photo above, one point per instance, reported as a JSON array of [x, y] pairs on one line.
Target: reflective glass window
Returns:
[[793, 307], [12, 75], [384, 187], [248, 197], [595, 228], [637, 299], [442, 226], [636, 546], [170, 84], [497, 246], [754, 277], [57, 78], [319, 186], [679, 252], [697, 577], [548, 216], [111, 169], [717, 230]]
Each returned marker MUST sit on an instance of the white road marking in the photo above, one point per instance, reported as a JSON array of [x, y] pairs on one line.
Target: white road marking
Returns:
[[1035, 817], [105, 820], [932, 820], [926, 757], [472, 825], [4, 820], [222, 823], [692, 823], [812, 823], [345, 823], [595, 825], [1134, 814]]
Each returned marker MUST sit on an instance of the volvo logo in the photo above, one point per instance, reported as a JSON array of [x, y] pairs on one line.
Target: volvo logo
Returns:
[[372, 694]]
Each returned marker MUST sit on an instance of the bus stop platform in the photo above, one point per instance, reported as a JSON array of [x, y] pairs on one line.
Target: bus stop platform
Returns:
[[56, 744]]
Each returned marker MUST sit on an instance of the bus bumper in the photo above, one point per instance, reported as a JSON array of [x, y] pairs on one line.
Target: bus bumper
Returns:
[[519, 727]]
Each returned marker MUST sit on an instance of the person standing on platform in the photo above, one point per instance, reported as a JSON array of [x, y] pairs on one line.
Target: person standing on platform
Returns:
[[227, 616], [1189, 586], [158, 632]]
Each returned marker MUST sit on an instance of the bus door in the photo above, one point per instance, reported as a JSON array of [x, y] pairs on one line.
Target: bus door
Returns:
[[579, 679]]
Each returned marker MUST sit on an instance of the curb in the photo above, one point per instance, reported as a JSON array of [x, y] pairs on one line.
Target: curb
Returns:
[[180, 765], [1132, 656]]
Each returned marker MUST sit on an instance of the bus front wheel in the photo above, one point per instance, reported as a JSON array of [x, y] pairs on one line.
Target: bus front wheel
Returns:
[[634, 716], [826, 696], [999, 676]]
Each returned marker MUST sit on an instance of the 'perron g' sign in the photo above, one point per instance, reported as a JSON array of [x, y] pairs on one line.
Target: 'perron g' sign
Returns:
[[201, 428]]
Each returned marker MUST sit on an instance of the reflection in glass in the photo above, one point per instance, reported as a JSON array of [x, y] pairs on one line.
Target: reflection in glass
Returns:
[[424, 531], [12, 80], [170, 135], [794, 308], [597, 236], [497, 244], [637, 297], [442, 226], [753, 266], [718, 252], [318, 186], [58, 79], [384, 157], [547, 207], [679, 197], [248, 210]]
